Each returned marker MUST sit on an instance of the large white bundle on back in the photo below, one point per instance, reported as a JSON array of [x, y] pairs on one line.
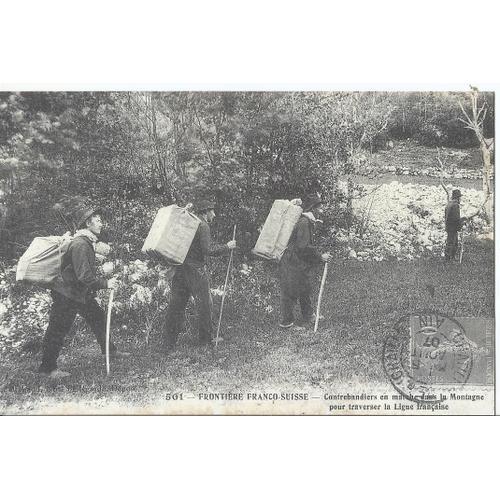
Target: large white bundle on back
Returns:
[[41, 263], [171, 234], [277, 230]]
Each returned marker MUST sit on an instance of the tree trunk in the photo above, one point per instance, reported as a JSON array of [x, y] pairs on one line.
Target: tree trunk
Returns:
[[474, 121], [486, 154]]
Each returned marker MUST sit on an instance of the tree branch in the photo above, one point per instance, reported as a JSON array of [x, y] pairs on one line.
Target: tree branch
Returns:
[[200, 131], [467, 117]]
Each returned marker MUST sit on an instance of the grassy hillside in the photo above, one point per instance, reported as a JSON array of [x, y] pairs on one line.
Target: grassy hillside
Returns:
[[362, 301]]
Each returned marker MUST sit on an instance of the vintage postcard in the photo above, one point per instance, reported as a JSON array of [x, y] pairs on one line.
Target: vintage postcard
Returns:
[[247, 253]]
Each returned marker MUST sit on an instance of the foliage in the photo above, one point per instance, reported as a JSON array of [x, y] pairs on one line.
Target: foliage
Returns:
[[244, 148], [433, 118]]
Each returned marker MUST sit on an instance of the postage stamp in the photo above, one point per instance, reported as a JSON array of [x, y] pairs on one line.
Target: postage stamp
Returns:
[[427, 349]]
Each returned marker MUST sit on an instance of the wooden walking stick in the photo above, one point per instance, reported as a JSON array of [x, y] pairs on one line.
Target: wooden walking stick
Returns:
[[461, 246], [321, 288], [108, 325], [225, 286]]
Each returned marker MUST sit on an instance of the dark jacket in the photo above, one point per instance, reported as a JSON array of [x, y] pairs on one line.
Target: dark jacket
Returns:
[[202, 247], [300, 251], [79, 276], [452, 219]]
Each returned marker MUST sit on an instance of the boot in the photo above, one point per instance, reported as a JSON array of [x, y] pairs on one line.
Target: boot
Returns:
[[56, 374]]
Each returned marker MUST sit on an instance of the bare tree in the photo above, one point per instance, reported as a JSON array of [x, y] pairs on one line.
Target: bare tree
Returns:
[[442, 168], [474, 121]]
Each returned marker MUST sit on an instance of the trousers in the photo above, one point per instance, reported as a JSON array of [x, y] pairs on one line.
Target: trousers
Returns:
[[189, 281], [451, 245], [295, 284], [62, 316]]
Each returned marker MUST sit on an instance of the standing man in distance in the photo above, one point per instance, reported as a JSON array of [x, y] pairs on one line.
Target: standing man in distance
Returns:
[[453, 224]]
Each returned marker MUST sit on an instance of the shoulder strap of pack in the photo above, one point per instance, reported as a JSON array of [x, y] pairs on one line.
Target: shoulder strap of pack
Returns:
[[64, 239]]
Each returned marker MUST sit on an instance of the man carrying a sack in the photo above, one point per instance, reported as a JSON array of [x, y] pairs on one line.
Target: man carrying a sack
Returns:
[[297, 263], [75, 291], [191, 279]]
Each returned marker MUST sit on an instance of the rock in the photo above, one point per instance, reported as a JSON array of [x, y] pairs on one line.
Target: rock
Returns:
[[3, 310], [108, 268], [407, 220]]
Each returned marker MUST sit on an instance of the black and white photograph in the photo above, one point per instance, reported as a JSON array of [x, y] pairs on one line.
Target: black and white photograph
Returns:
[[247, 252], [247, 249]]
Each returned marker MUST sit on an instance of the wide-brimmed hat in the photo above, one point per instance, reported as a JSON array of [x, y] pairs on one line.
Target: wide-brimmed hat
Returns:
[[83, 213], [76, 209]]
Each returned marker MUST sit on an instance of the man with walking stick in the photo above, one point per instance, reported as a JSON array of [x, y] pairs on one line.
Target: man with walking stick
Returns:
[[191, 279], [296, 265], [75, 291]]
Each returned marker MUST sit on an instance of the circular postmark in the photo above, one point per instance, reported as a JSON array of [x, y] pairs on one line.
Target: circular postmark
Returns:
[[426, 350]]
